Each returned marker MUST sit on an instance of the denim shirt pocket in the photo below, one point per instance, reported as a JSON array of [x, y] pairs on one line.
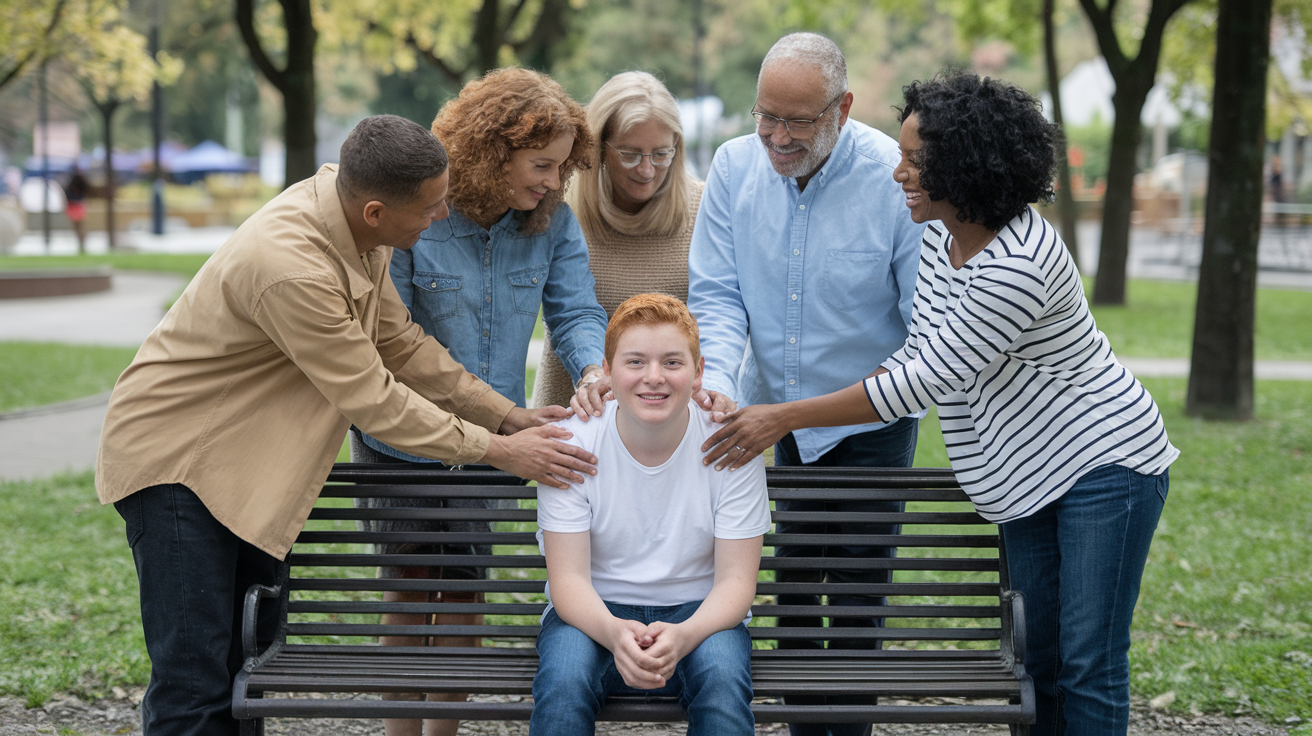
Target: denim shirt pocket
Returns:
[[526, 288], [436, 295], [853, 278]]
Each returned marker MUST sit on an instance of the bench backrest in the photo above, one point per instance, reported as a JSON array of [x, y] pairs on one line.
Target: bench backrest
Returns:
[[944, 593]]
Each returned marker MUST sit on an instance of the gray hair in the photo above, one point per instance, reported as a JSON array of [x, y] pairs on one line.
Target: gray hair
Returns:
[[813, 49]]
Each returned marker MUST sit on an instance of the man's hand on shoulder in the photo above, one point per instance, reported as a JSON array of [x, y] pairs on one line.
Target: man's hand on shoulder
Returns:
[[520, 419], [538, 454]]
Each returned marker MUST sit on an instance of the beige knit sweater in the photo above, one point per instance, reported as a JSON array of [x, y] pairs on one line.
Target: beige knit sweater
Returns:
[[624, 266]]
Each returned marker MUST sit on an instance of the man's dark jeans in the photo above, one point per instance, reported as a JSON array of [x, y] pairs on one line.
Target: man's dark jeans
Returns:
[[891, 447], [194, 574]]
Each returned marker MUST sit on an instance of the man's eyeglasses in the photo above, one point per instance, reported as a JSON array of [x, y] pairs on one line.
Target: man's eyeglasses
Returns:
[[768, 123], [661, 157]]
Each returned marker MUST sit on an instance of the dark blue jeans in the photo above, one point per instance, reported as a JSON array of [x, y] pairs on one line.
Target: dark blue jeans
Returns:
[[1078, 561], [193, 575], [891, 447], [576, 675]]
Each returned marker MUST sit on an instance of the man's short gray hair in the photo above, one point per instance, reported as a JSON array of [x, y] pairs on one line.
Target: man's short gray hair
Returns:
[[814, 49]]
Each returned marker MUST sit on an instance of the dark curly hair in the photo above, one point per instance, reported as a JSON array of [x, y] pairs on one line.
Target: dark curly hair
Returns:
[[985, 146], [505, 111]]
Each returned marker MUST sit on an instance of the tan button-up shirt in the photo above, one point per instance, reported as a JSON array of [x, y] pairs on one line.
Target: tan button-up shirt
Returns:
[[284, 338]]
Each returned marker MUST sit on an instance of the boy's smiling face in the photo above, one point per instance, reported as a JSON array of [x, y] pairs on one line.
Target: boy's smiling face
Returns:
[[653, 374]]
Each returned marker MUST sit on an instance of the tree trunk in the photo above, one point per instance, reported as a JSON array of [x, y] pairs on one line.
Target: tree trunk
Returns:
[[1118, 199], [1065, 197], [1221, 369], [299, 92], [295, 82], [107, 120], [1134, 77]]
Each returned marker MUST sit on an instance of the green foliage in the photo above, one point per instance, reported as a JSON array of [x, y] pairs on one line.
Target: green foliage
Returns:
[[69, 615], [36, 374], [1094, 143], [1223, 619]]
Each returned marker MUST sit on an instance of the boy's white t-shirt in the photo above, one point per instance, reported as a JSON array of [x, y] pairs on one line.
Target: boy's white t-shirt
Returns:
[[653, 529]]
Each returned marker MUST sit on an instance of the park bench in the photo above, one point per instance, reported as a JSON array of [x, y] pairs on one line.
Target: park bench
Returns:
[[953, 634]]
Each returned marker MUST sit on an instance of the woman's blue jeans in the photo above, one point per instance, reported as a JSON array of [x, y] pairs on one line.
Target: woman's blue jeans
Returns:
[[1079, 561], [576, 675]]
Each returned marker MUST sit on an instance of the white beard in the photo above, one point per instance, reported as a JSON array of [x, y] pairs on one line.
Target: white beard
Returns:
[[817, 150]]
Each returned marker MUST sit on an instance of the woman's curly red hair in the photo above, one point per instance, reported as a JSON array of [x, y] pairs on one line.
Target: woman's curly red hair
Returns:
[[492, 117]]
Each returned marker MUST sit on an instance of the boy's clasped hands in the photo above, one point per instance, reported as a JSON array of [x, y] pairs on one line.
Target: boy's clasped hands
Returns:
[[646, 654]]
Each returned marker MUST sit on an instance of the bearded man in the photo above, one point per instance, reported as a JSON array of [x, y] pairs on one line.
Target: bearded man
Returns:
[[801, 271]]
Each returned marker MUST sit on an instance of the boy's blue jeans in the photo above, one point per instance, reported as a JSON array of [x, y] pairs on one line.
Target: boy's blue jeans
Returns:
[[576, 675], [1078, 561]]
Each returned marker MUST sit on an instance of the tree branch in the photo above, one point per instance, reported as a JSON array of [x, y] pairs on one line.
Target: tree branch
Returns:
[[1105, 30], [514, 13], [246, 23], [45, 36], [453, 75]]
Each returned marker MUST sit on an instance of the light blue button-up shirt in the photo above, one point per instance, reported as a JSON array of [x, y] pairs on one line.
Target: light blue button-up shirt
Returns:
[[820, 282], [479, 291]]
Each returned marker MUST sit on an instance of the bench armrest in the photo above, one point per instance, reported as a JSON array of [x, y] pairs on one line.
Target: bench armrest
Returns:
[[1013, 627], [250, 615]]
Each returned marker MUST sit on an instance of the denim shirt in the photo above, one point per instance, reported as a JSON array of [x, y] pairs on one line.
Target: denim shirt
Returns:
[[479, 292], [802, 293]]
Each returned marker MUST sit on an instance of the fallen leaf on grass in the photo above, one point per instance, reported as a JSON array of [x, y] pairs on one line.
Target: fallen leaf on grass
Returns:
[[1163, 701]]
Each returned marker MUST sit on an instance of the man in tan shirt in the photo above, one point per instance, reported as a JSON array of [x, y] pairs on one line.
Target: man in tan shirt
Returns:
[[220, 434]]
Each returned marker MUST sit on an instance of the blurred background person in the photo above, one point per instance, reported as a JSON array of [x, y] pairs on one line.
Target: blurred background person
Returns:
[[477, 280]]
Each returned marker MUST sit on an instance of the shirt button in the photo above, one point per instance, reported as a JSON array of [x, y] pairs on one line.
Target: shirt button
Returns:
[[797, 251], [433, 285], [485, 333], [794, 297], [535, 280], [792, 382], [801, 206], [487, 299], [792, 340]]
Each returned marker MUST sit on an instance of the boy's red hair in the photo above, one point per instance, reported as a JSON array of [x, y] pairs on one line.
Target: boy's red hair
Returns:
[[652, 309]]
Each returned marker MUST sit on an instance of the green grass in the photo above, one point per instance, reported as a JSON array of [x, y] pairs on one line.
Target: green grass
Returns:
[[185, 265], [1224, 619], [69, 616], [1158, 322], [35, 374]]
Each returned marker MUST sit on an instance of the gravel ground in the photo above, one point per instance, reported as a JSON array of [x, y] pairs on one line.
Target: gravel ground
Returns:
[[69, 716]]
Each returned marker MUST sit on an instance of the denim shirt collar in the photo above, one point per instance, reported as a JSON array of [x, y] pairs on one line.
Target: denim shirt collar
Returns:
[[457, 225]]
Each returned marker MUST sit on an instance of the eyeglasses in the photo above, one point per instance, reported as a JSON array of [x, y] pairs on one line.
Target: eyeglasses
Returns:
[[768, 123], [661, 157]]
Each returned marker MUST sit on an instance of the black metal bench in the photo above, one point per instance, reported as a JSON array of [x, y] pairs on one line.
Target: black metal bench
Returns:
[[953, 636]]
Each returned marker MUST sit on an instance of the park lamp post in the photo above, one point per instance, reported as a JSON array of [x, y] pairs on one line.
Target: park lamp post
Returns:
[[156, 129]]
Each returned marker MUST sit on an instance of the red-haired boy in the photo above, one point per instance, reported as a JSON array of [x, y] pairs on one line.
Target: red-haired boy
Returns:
[[652, 562]]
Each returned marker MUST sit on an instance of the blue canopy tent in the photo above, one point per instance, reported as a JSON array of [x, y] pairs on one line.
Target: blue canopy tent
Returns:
[[208, 158]]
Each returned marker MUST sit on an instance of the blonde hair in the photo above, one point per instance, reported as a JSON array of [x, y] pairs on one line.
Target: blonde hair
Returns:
[[507, 110], [626, 100], [652, 310]]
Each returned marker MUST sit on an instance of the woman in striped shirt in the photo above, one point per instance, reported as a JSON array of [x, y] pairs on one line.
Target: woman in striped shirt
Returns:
[[1049, 434]]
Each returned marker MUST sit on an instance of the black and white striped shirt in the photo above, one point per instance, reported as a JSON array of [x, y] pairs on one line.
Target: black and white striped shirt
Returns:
[[1029, 394]]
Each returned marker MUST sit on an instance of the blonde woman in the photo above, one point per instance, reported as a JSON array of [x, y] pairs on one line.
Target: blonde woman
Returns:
[[636, 209]]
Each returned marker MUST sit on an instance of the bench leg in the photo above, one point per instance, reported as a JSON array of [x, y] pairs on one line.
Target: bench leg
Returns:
[[252, 727], [1020, 729]]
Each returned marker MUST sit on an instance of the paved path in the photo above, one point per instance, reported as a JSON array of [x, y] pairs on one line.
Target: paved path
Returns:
[[122, 316]]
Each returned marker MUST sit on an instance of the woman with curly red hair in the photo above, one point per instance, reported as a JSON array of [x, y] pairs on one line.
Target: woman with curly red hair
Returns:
[[477, 280]]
